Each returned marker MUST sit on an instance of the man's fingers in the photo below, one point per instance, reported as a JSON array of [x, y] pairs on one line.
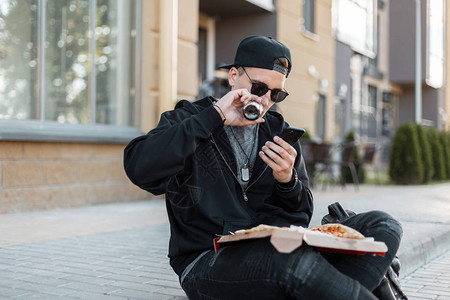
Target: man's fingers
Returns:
[[285, 145], [246, 98], [282, 152], [269, 161]]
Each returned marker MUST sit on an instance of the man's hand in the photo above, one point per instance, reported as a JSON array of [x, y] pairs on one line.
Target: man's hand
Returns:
[[280, 156], [231, 105]]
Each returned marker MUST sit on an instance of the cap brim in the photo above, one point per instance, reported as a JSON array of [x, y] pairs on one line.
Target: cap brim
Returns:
[[226, 66]]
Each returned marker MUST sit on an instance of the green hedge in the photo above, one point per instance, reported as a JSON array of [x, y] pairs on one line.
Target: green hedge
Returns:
[[437, 154], [405, 165], [425, 152], [419, 155], [444, 139]]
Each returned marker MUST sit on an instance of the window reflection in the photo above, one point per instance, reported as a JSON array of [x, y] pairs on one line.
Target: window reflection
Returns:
[[115, 71], [67, 61], [354, 23], [18, 59], [435, 43], [89, 68]]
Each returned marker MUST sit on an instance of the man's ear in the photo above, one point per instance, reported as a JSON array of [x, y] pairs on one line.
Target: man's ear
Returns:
[[232, 75]]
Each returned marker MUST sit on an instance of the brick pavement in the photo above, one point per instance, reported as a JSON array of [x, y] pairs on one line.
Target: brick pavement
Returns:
[[128, 264], [431, 281], [133, 264], [119, 251]]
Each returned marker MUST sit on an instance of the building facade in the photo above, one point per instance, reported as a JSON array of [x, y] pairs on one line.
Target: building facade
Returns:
[[79, 79], [433, 32]]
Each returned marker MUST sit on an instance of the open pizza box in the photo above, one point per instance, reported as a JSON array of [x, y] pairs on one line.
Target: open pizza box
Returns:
[[286, 240]]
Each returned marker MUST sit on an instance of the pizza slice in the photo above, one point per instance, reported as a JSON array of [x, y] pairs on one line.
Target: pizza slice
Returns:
[[261, 227], [339, 230]]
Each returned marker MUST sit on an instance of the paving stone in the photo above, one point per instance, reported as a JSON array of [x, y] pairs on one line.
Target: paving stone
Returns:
[[132, 263], [11, 293], [429, 282], [171, 291]]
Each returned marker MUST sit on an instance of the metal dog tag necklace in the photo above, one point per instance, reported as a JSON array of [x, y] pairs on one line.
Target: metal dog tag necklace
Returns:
[[245, 173], [246, 168]]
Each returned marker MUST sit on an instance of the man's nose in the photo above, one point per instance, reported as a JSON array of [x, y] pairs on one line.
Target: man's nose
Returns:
[[266, 97]]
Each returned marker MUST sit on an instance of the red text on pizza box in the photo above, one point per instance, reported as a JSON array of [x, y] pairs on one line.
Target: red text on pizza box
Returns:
[[286, 240]]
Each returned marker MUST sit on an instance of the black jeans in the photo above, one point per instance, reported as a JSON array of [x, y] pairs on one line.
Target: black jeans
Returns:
[[255, 270]]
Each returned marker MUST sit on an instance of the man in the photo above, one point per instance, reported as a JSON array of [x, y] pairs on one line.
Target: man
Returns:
[[222, 172]]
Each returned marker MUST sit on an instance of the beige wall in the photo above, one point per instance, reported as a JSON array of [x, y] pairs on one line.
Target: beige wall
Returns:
[[187, 30], [37, 176], [317, 51]]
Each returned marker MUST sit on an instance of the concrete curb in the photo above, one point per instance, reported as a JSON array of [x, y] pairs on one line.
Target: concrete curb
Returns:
[[423, 251]]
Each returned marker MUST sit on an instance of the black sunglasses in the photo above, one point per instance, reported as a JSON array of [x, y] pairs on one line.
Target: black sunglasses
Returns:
[[260, 89]]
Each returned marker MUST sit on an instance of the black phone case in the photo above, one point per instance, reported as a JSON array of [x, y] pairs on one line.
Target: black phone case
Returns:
[[292, 135]]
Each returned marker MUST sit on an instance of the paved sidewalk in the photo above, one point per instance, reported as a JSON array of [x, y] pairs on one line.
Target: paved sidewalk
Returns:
[[119, 251], [431, 281], [126, 264]]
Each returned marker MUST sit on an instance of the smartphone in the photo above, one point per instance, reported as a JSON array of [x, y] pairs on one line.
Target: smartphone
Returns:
[[292, 134]]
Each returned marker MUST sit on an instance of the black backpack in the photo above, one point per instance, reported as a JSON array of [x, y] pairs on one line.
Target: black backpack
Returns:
[[389, 288]]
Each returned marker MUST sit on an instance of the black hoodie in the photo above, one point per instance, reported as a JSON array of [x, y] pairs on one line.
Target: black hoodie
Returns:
[[189, 158]]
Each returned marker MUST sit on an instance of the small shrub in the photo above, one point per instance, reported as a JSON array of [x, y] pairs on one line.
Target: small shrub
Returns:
[[405, 165]]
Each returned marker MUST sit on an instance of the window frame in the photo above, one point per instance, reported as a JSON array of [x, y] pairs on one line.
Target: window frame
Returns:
[[309, 16], [48, 130], [308, 23]]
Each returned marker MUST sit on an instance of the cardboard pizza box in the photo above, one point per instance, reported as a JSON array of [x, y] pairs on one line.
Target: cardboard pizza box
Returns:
[[287, 240]]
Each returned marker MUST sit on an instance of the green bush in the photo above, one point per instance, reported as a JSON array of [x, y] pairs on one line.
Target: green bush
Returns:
[[349, 138], [437, 155], [405, 165], [444, 140], [425, 150]]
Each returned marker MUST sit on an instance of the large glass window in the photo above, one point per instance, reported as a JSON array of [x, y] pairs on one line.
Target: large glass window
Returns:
[[69, 62], [18, 59], [309, 15], [435, 42], [354, 23]]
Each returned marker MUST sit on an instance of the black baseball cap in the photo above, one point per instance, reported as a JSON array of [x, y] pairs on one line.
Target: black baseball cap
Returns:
[[261, 52]]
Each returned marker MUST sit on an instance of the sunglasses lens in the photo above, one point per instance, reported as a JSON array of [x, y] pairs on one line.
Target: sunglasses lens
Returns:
[[278, 95], [259, 89]]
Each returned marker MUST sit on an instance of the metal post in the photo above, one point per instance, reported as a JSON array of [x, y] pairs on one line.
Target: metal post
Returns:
[[418, 62]]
